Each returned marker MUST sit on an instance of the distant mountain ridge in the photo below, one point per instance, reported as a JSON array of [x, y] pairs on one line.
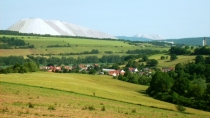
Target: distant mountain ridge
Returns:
[[142, 37], [133, 38], [187, 41], [55, 27], [150, 36]]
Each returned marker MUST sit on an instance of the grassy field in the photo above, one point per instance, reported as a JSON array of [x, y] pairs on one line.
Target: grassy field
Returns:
[[168, 63], [45, 94], [78, 45]]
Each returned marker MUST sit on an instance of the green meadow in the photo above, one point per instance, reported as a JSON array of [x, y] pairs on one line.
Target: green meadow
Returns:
[[167, 63], [43, 94], [77, 45]]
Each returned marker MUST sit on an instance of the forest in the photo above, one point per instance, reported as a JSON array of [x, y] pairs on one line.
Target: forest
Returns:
[[188, 85]]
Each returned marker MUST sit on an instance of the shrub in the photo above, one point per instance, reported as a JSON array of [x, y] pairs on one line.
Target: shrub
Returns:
[[103, 108], [180, 108], [30, 105], [51, 107], [133, 111], [5, 109], [89, 108]]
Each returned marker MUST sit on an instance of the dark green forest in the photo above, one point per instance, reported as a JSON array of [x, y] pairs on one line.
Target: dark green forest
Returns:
[[188, 85]]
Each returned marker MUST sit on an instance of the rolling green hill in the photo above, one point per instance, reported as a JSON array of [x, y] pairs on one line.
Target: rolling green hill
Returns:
[[74, 45], [73, 95]]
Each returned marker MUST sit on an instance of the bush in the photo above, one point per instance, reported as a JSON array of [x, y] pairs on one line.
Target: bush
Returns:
[[103, 108], [180, 108], [51, 107], [30, 105], [133, 111], [89, 108]]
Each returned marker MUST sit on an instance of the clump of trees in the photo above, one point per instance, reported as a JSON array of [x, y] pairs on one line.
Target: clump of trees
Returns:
[[188, 85], [17, 68], [204, 50], [179, 51], [11, 43]]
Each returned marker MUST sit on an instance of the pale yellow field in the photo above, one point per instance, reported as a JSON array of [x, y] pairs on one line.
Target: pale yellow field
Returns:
[[70, 93]]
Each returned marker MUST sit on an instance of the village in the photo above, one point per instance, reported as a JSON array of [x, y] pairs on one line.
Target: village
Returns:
[[86, 68]]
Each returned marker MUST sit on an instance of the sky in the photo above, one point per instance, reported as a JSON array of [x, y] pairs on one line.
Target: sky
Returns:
[[168, 18]]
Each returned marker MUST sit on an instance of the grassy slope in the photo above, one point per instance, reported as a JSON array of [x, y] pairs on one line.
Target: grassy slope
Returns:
[[168, 63], [83, 87], [77, 45]]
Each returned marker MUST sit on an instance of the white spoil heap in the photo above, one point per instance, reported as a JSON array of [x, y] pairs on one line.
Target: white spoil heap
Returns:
[[55, 27]]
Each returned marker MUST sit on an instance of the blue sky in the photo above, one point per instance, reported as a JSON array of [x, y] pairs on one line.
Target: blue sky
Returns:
[[169, 18]]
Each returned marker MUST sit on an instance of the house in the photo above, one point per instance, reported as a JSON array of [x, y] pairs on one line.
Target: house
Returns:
[[116, 72], [167, 69], [56, 68], [50, 68], [83, 67], [122, 72], [133, 70], [113, 73], [68, 67], [107, 70], [95, 65]]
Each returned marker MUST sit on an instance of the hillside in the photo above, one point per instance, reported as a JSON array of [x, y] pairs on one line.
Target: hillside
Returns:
[[191, 41], [134, 38], [57, 45], [197, 41], [61, 95], [150, 36]]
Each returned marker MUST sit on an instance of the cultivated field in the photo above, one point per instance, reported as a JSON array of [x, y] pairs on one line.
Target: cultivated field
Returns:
[[77, 45], [45, 94]]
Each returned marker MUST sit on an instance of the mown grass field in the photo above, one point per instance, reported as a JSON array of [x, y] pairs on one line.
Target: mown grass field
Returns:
[[80, 95], [78, 45]]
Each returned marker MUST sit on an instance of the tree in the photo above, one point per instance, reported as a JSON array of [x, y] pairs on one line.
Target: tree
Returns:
[[115, 66], [144, 80], [178, 50], [145, 58], [181, 86], [161, 82], [173, 57], [178, 68], [208, 89], [162, 57], [31, 66], [199, 59], [23, 69], [197, 88], [207, 60], [133, 78], [152, 62], [92, 71]]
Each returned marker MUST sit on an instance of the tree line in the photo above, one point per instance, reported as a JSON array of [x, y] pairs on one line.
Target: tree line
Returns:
[[12, 60], [145, 51], [204, 50]]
